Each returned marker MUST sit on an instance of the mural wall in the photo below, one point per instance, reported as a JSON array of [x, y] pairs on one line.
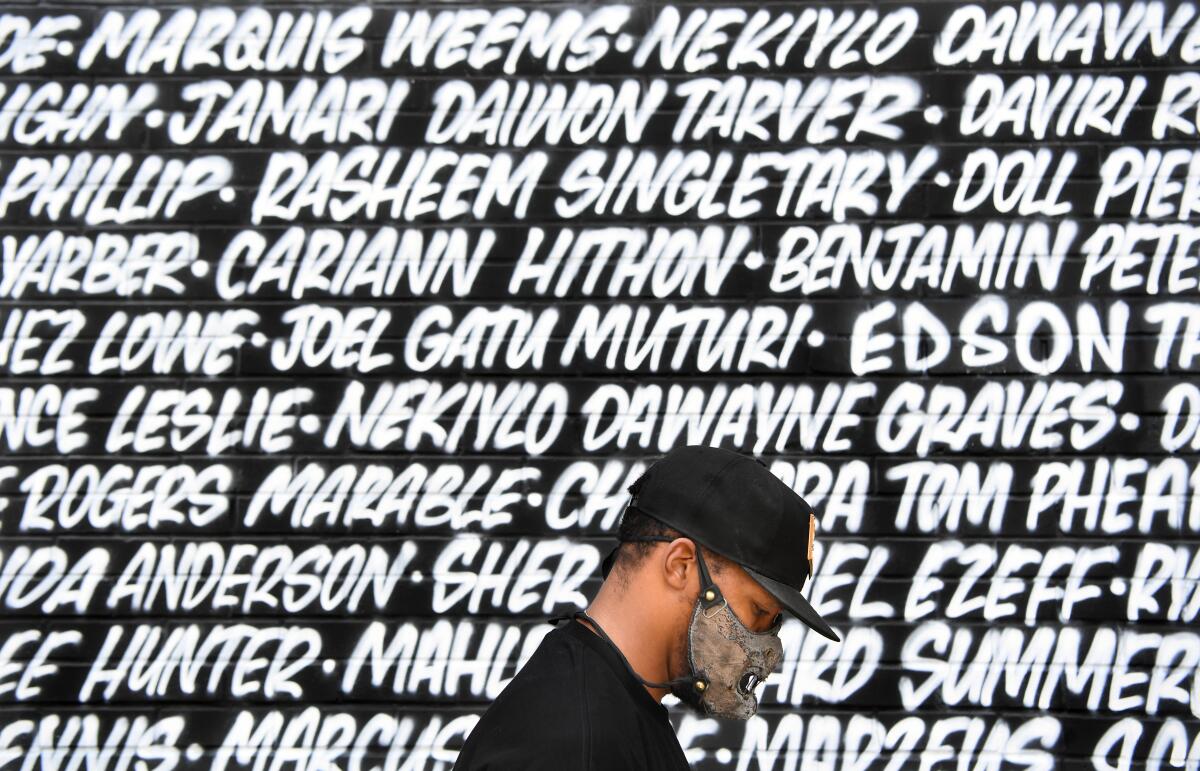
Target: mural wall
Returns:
[[332, 336]]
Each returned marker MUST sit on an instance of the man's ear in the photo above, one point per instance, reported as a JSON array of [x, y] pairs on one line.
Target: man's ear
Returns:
[[679, 564]]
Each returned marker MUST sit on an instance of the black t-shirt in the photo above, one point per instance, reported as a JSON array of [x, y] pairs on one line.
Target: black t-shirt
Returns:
[[573, 707]]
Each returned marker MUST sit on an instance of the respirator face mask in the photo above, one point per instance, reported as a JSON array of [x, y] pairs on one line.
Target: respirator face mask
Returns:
[[727, 660]]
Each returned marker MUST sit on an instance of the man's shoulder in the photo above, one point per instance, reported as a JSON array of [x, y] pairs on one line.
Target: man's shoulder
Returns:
[[562, 677], [549, 679], [560, 705]]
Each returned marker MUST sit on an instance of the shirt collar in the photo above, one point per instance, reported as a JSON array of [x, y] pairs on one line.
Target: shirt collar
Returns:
[[606, 651]]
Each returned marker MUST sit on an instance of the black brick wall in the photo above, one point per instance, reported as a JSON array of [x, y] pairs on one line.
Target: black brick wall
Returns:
[[332, 336]]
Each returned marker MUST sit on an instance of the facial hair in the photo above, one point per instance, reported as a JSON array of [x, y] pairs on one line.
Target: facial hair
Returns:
[[680, 665]]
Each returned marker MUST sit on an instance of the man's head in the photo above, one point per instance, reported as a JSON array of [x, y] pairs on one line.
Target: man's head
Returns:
[[716, 626], [666, 573], [733, 506], [714, 549]]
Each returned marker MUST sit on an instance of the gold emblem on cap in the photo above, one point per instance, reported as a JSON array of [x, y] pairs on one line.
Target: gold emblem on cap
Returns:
[[812, 532]]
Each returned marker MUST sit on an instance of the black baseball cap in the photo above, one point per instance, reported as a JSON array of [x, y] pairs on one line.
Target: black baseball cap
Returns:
[[732, 504]]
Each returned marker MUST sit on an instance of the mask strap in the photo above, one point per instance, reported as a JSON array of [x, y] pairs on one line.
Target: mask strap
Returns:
[[710, 597], [710, 593], [693, 687], [600, 630]]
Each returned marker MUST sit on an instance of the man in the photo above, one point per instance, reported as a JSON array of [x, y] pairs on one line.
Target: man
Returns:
[[714, 549]]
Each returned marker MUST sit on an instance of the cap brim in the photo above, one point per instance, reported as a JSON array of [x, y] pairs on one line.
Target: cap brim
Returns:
[[791, 598]]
